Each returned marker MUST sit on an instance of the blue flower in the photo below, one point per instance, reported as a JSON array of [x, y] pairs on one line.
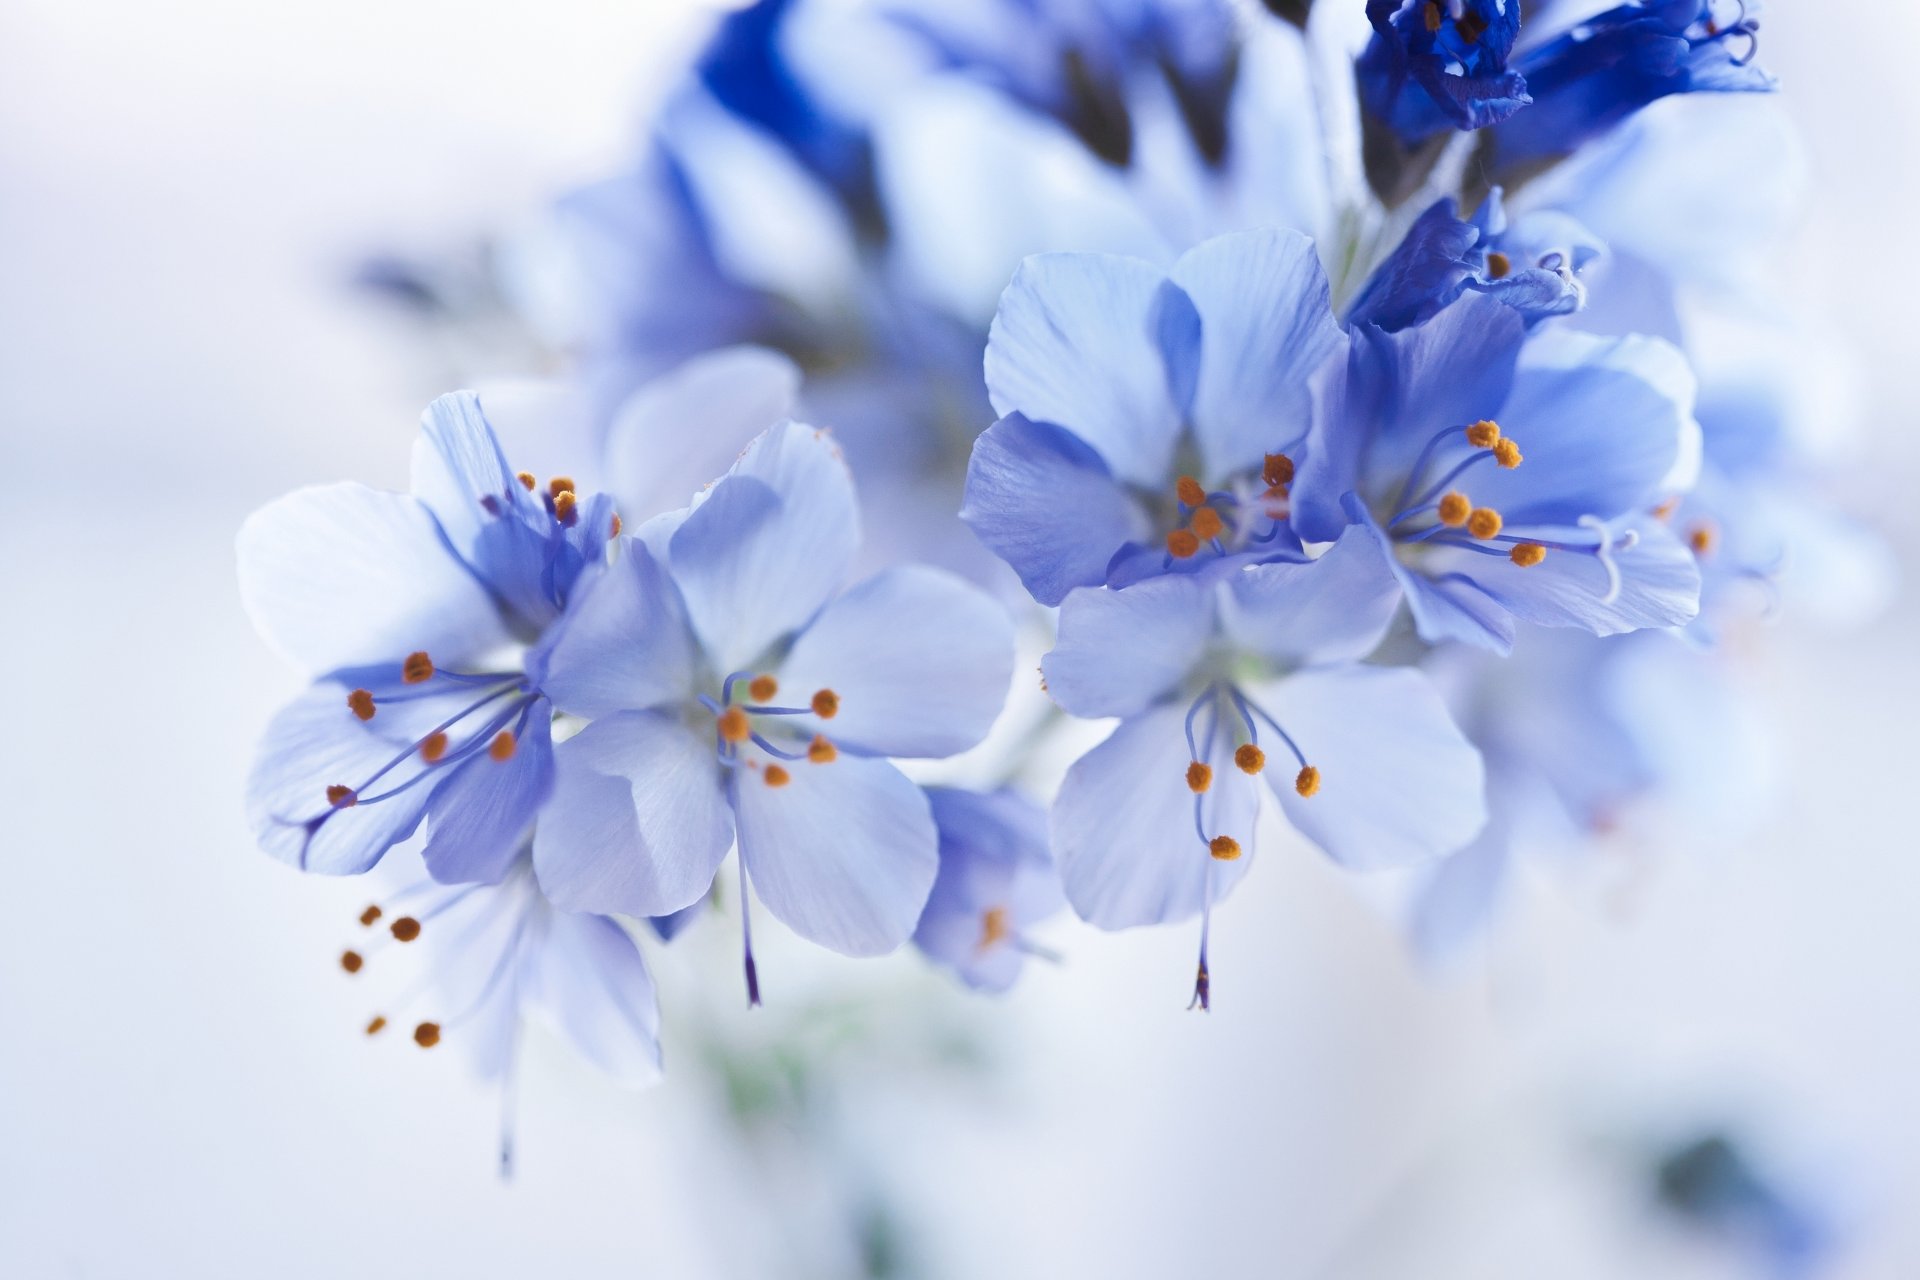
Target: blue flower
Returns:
[[1533, 266], [1234, 689], [1595, 75], [736, 696], [423, 615], [1148, 416], [1435, 65], [996, 881], [1509, 479]]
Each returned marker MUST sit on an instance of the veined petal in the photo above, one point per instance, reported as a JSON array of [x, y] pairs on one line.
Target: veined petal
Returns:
[[342, 575], [920, 659], [1123, 828], [624, 643], [1119, 651], [1266, 326], [1658, 583], [587, 980], [1445, 604], [1080, 341], [768, 546], [1045, 502], [1399, 782], [1332, 609], [1601, 422], [844, 853], [480, 815], [638, 822]]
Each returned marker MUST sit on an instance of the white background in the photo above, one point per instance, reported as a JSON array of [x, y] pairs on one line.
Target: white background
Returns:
[[183, 1090]]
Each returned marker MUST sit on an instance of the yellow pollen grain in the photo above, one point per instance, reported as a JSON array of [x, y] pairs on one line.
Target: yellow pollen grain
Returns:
[[1498, 265], [433, 746], [1527, 554], [1189, 491], [762, 688], [502, 747], [734, 726], [1250, 758], [777, 776], [1483, 434], [341, 797], [367, 917], [994, 927], [427, 1035], [405, 929], [1199, 777], [820, 751], [1484, 523], [825, 704], [1702, 538], [376, 1026], [1454, 509], [351, 961], [526, 480], [417, 669], [1206, 524], [559, 485], [361, 701], [565, 509], [1183, 544], [1277, 471], [1507, 453], [1225, 848], [1307, 781]]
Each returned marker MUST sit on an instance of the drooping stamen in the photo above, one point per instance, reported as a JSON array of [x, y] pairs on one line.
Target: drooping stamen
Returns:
[[1199, 777], [1453, 509], [1484, 523], [734, 726], [1307, 782], [826, 704], [1206, 524], [1483, 434], [341, 797], [1225, 848], [1183, 544], [1507, 453], [371, 914]]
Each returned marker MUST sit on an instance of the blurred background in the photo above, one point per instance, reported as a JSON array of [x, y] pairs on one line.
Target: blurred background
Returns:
[[1676, 1067]]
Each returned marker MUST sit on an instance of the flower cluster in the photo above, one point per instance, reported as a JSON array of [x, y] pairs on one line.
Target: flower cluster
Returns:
[[1359, 432]]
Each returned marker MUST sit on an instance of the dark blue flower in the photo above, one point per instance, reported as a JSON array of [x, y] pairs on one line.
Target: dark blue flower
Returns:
[[1533, 266], [1435, 65], [1609, 66]]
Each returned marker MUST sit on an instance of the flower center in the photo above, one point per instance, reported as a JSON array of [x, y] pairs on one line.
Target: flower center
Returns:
[[756, 724], [1244, 512]]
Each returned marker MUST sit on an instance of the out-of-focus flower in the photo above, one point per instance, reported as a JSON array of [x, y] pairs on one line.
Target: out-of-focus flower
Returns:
[[736, 696], [1149, 417], [996, 881]]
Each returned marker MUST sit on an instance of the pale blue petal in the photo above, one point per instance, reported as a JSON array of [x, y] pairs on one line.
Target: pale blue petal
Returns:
[[588, 982], [481, 813], [1079, 341], [768, 546], [1658, 586], [623, 644], [993, 857], [341, 575], [1601, 423], [1119, 651], [1399, 783], [638, 822], [844, 854], [688, 425], [920, 659], [1266, 326], [1046, 503], [1123, 829], [1446, 605], [1335, 608]]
